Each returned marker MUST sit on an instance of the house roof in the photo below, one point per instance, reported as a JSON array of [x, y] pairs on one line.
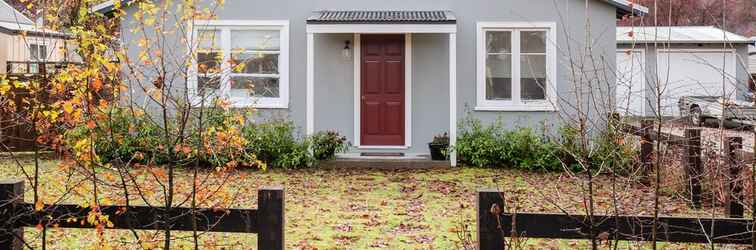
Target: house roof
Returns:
[[29, 29], [382, 17], [624, 7], [14, 22], [11, 15], [678, 34]]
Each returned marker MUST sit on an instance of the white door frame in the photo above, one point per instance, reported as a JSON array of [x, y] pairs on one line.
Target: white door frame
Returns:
[[407, 94]]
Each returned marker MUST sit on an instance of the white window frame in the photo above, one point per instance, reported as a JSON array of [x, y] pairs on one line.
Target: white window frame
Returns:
[[39, 56], [225, 27], [516, 103]]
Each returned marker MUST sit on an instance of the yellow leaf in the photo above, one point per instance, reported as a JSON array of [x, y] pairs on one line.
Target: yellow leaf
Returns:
[[39, 205], [67, 107]]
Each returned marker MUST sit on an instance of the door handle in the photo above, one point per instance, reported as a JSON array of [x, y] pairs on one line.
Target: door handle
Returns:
[[363, 98]]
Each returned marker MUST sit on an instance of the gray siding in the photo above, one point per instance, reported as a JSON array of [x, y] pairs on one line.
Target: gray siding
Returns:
[[334, 75]]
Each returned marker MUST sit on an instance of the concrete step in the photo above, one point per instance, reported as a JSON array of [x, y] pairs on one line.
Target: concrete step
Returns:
[[384, 162]]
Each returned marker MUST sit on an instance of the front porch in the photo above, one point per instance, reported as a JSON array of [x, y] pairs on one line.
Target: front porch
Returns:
[[385, 79]]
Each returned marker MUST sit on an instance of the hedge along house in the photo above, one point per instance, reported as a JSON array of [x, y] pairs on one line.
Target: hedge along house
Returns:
[[391, 74], [684, 61]]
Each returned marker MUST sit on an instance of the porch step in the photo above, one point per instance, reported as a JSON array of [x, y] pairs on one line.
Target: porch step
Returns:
[[384, 162]]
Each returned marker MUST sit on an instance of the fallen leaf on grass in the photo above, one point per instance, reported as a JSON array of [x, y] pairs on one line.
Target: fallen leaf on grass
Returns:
[[343, 227], [345, 240]]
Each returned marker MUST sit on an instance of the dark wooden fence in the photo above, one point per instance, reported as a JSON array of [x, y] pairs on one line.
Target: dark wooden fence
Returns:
[[267, 220], [16, 134], [734, 156], [494, 226]]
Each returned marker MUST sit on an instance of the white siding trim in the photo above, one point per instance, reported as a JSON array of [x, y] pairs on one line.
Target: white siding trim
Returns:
[[310, 84], [453, 97], [357, 52], [381, 28], [550, 104], [408, 90], [407, 95]]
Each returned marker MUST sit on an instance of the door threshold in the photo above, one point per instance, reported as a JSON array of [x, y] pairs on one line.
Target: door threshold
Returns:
[[383, 154], [383, 147]]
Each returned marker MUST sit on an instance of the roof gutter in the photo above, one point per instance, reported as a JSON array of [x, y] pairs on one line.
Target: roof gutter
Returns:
[[625, 7]]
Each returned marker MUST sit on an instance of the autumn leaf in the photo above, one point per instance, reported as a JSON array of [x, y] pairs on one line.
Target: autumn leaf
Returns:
[[39, 205], [91, 124], [68, 108], [97, 84]]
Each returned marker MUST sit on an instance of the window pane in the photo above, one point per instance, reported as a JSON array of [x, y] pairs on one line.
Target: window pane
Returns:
[[533, 41], [208, 84], [499, 42], [499, 77], [42, 52], [533, 82], [255, 63], [34, 52], [244, 86], [209, 62], [209, 39], [268, 40]]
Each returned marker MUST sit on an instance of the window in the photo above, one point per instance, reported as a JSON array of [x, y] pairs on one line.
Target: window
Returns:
[[37, 52], [243, 61], [516, 67]]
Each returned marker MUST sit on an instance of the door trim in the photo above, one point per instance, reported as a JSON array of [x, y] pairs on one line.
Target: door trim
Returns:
[[407, 94]]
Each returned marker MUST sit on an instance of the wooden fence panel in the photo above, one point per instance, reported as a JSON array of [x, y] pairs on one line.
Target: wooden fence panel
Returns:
[[267, 221], [492, 228]]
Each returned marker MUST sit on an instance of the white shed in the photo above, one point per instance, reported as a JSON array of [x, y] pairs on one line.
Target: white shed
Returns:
[[684, 61]]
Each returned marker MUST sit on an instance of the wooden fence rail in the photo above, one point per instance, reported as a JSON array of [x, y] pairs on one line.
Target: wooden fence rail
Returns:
[[734, 155], [267, 220], [494, 226]]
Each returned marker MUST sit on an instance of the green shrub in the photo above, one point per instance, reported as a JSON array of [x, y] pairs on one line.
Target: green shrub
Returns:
[[326, 144], [494, 146], [127, 136], [123, 136], [276, 144], [606, 151]]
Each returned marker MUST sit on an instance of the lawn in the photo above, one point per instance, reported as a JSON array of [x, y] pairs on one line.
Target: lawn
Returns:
[[357, 209]]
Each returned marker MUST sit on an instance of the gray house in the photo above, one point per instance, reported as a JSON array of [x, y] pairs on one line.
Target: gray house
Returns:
[[391, 74]]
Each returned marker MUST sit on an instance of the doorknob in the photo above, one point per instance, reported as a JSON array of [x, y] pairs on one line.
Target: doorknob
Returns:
[[363, 98]]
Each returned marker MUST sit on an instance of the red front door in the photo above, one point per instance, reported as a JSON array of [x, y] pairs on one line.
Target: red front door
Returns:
[[382, 90]]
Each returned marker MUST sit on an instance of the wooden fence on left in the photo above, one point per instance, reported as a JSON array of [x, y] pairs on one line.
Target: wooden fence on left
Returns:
[[267, 220]]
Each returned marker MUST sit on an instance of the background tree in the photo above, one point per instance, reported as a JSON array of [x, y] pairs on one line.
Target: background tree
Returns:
[[740, 18]]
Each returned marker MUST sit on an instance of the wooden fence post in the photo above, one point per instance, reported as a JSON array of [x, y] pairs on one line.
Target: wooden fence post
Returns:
[[647, 147], [11, 198], [490, 235], [735, 194], [270, 218], [693, 168]]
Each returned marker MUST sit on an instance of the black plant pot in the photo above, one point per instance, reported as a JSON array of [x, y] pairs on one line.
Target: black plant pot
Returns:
[[437, 151]]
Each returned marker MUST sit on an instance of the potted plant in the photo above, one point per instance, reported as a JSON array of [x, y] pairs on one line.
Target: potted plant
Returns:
[[326, 144], [439, 146]]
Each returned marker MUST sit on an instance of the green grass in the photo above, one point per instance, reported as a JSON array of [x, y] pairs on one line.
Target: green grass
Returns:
[[350, 209]]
